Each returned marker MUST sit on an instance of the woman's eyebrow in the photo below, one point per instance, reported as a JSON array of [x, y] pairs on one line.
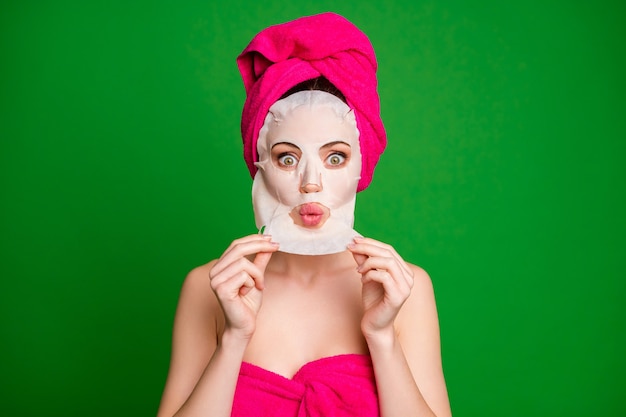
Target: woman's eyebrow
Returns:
[[285, 143], [336, 142]]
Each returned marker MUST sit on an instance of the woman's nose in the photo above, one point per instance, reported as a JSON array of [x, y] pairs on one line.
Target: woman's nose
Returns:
[[310, 179], [310, 188]]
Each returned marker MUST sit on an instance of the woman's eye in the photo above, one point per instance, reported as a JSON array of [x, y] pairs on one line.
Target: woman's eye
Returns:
[[287, 160], [336, 159]]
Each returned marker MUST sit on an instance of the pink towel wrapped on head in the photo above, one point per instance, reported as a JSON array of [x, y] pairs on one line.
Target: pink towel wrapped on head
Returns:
[[337, 386], [327, 45]]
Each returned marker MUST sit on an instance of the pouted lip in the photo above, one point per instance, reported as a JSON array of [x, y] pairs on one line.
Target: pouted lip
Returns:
[[311, 215], [311, 209]]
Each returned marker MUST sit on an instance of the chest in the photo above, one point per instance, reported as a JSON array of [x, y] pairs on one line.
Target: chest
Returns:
[[299, 324]]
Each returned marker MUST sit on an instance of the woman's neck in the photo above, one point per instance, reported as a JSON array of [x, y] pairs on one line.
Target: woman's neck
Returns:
[[308, 268]]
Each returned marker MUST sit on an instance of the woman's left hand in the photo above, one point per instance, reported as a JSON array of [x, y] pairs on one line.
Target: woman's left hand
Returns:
[[387, 282]]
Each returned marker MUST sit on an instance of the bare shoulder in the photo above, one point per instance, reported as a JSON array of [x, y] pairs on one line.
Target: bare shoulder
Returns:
[[418, 315], [422, 293], [198, 277], [421, 278], [198, 299]]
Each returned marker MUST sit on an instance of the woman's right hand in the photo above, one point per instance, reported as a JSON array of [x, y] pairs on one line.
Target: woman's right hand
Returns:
[[238, 281]]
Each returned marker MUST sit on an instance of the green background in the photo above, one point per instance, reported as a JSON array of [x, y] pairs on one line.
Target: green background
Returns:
[[121, 169]]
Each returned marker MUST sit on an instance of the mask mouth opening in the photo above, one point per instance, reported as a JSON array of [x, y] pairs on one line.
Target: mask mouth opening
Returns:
[[310, 215]]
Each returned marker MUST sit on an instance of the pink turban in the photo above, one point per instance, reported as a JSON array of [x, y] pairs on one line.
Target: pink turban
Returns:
[[282, 56]]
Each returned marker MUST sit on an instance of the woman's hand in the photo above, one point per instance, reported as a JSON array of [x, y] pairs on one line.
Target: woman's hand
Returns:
[[387, 282], [238, 281]]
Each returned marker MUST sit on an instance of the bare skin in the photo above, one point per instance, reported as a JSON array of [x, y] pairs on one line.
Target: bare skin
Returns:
[[281, 311]]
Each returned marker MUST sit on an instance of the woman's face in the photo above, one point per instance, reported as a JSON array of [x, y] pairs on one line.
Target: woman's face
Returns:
[[314, 163]]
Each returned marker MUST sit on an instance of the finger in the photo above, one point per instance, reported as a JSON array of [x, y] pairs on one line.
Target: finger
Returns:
[[248, 285], [230, 288], [373, 247], [244, 247], [241, 265], [390, 265], [382, 263], [395, 291], [384, 257], [375, 244], [376, 248], [359, 259], [260, 261], [243, 240]]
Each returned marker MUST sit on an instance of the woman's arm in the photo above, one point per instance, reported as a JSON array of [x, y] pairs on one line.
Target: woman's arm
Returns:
[[197, 359], [224, 294], [407, 362], [401, 328]]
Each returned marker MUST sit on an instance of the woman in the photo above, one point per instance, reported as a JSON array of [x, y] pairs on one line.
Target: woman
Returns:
[[308, 318]]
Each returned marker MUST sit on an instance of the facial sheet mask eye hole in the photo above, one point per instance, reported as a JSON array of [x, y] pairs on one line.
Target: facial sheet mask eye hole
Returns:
[[287, 161], [336, 160]]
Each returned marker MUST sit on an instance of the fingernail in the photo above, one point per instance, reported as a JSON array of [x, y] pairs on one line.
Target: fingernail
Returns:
[[358, 238], [351, 245]]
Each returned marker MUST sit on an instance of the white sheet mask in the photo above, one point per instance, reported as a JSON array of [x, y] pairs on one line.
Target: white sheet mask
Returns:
[[305, 190]]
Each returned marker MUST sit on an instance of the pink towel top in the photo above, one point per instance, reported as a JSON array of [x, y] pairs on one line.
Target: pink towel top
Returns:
[[282, 56], [339, 386]]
